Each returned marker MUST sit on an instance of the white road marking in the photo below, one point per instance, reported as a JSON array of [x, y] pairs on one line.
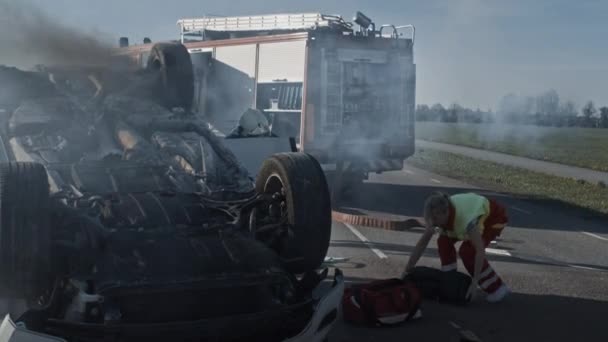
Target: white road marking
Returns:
[[498, 252], [365, 241], [435, 181], [521, 210], [408, 171], [543, 260], [585, 268], [595, 236]]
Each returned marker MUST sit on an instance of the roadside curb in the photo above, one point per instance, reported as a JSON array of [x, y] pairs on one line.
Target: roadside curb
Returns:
[[375, 221]]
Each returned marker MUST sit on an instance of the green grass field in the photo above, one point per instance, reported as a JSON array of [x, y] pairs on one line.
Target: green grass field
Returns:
[[512, 180], [584, 147]]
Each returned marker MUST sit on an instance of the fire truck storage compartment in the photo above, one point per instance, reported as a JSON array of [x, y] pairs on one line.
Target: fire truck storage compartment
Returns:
[[364, 93]]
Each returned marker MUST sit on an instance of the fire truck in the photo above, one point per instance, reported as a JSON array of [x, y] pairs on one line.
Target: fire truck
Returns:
[[345, 92]]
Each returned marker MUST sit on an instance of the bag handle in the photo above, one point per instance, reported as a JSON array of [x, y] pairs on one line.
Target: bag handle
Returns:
[[365, 309]]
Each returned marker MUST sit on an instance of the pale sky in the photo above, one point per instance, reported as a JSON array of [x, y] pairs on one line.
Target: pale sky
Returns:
[[467, 51]]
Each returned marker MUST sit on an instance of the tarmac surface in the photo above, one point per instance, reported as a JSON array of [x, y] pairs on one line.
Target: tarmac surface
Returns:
[[553, 257]]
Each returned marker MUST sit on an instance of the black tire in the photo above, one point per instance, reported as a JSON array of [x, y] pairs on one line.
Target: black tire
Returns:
[[308, 207], [25, 234], [174, 64]]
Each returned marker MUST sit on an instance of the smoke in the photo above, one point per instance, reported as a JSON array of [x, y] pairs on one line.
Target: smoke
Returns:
[[29, 36]]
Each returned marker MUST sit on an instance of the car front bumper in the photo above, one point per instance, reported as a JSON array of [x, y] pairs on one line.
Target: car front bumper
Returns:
[[326, 312]]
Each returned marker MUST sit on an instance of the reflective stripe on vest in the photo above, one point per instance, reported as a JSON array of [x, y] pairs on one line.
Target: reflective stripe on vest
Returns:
[[468, 207]]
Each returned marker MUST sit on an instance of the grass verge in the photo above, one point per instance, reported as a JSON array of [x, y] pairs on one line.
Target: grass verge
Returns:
[[513, 180], [583, 147]]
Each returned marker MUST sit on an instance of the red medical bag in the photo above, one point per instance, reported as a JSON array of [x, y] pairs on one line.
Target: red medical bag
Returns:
[[382, 302]]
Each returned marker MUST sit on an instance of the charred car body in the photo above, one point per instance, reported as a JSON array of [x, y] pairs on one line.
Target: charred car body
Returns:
[[124, 220]]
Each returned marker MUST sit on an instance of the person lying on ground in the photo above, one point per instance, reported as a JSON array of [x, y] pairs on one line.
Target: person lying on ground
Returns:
[[475, 221]]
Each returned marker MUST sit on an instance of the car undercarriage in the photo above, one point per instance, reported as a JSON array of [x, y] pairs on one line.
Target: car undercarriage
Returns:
[[123, 219]]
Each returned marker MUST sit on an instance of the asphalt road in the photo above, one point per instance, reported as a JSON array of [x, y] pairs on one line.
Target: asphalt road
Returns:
[[555, 169], [554, 258]]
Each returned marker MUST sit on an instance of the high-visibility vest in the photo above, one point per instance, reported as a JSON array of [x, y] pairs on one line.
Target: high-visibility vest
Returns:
[[467, 207]]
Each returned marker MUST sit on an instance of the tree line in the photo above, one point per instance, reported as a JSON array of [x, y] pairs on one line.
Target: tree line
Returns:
[[545, 109]]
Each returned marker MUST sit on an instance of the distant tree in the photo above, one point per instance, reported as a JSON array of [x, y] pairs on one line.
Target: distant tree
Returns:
[[547, 105], [604, 117], [477, 116], [441, 113], [509, 108], [423, 113], [489, 116], [568, 108], [529, 105], [567, 114], [518, 109], [529, 110], [455, 113], [545, 109], [588, 114]]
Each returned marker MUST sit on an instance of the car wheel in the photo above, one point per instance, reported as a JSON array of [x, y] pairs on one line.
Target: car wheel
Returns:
[[297, 178], [173, 62], [25, 235]]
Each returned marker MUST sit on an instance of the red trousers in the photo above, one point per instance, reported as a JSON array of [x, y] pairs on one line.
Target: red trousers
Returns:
[[489, 281]]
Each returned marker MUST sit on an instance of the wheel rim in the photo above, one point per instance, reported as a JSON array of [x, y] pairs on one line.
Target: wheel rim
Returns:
[[277, 240], [274, 185]]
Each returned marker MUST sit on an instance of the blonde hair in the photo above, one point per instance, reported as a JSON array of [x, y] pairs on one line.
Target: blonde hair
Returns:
[[436, 204]]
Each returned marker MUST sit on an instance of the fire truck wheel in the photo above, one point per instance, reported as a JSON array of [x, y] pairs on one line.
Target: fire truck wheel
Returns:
[[25, 234], [298, 180], [174, 64]]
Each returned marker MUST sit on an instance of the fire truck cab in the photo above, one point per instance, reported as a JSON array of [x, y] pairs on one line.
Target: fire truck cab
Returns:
[[344, 91]]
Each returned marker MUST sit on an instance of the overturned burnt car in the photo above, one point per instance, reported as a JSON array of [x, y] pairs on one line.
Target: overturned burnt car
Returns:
[[121, 220]]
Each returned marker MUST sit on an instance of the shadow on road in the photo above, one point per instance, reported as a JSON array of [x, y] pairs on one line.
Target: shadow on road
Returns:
[[521, 317], [525, 317], [536, 213]]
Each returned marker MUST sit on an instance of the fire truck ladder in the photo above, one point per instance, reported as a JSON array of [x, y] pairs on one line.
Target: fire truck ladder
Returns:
[[276, 22]]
